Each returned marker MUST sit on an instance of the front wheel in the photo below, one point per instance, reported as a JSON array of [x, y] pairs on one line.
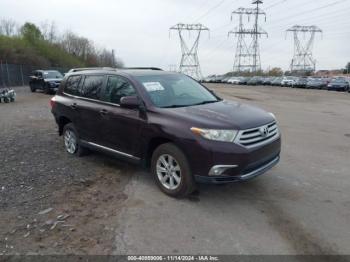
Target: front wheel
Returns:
[[171, 171]]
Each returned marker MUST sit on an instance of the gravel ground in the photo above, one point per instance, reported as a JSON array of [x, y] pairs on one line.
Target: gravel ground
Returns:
[[52, 203], [78, 196]]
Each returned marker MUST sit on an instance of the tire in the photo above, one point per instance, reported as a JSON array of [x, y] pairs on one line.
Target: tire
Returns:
[[6, 100], [73, 146], [46, 89], [32, 88], [179, 180]]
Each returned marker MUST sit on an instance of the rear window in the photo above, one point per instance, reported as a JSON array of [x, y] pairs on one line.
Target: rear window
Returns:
[[72, 85]]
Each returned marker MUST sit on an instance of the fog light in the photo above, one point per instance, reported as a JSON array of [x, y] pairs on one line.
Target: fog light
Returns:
[[220, 169]]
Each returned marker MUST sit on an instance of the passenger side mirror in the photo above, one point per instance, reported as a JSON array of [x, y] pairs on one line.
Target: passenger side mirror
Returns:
[[129, 102]]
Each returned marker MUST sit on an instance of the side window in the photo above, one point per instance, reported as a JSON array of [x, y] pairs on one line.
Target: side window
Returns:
[[92, 87], [40, 75], [118, 87], [72, 85]]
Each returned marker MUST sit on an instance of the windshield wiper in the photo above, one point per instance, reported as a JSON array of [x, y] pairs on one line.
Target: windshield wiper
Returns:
[[205, 102], [173, 106]]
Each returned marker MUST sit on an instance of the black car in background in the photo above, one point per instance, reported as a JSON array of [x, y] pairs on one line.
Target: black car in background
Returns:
[[316, 83], [338, 84], [45, 80]]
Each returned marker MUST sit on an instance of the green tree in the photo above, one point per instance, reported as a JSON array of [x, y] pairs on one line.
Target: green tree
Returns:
[[276, 71], [31, 32]]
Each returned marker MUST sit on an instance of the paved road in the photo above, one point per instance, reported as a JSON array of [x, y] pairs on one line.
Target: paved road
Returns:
[[302, 206]]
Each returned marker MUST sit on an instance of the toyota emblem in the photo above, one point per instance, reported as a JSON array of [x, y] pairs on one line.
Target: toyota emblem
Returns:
[[264, 131]]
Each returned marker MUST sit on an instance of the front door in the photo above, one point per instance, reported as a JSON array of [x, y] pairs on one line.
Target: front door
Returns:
[[121, 126]]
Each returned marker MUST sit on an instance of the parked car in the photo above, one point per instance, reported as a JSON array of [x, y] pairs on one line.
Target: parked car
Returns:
[[288, 81], [301, 82], [45, 80], [277, 81], [235, 80], [316, 83], [219, 79], [225, 80], [244, 80], [255, 80], [267, 81], [168, 122], [338, 84]]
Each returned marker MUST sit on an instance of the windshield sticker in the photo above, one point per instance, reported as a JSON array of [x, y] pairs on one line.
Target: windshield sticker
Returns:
[[153, 86]]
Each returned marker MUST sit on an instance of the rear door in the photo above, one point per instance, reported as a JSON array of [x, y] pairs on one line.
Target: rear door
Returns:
[[90, 109]]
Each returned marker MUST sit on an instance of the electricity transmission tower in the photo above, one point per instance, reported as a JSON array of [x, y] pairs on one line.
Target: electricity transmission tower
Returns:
[[247, 57], [189, 63], [302, 60]]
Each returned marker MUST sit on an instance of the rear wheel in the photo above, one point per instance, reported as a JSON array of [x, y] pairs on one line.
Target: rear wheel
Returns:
[[171, 171], [71, 141]]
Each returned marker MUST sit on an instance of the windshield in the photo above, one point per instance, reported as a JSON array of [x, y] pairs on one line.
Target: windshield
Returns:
[[175, 90], [52, 74]]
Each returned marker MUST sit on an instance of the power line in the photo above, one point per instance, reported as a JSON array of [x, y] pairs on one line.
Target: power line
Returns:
[[275, 4], [210, 10], [311, 10]]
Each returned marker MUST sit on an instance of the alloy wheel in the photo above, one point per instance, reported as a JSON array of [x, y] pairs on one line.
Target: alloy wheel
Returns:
[[70, 141], [168, 172]]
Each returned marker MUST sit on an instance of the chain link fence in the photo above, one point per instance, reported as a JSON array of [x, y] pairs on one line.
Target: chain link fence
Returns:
[[18, 75]]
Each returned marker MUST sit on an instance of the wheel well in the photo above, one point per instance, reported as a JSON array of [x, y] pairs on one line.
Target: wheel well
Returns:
[[152, 145], [61, 123]]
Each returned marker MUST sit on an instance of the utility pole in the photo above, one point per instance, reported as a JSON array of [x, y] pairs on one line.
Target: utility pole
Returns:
[[247, 57], [303, 60], [189, 63]]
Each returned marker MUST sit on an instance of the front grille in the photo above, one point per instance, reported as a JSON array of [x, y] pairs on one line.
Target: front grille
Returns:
[[257, 136]]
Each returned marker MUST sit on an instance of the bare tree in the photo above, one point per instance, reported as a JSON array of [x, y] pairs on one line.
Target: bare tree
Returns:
[[8, 27], [49, 31]]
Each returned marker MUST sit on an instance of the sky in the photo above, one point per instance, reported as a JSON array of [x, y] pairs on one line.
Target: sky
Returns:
[[138, 30]]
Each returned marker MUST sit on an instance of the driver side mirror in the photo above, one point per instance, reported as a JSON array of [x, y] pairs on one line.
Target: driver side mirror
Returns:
[[130, 102]]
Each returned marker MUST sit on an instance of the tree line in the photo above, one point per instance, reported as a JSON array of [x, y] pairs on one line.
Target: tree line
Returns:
[[43, 45]]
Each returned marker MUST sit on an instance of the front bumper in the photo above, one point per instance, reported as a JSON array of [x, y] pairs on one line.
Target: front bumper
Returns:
[[245, 175]]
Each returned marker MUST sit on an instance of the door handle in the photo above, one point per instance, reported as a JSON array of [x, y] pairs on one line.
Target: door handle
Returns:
[[103, 112], [74, 106]]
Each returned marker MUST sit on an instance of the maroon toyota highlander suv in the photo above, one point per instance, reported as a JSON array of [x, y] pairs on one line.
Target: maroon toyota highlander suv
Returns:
[[168, 122]]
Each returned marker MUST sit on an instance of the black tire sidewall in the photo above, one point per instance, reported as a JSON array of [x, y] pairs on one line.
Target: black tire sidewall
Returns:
[[187, 184]]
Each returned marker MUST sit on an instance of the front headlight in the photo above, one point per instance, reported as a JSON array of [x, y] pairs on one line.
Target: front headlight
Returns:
[[214, 134]]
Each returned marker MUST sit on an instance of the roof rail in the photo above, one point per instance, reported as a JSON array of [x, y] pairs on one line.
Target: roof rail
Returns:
[[91, 68], [143, 68]]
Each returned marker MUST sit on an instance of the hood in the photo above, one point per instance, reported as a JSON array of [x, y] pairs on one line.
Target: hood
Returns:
[[53, 79], [223, 114]]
